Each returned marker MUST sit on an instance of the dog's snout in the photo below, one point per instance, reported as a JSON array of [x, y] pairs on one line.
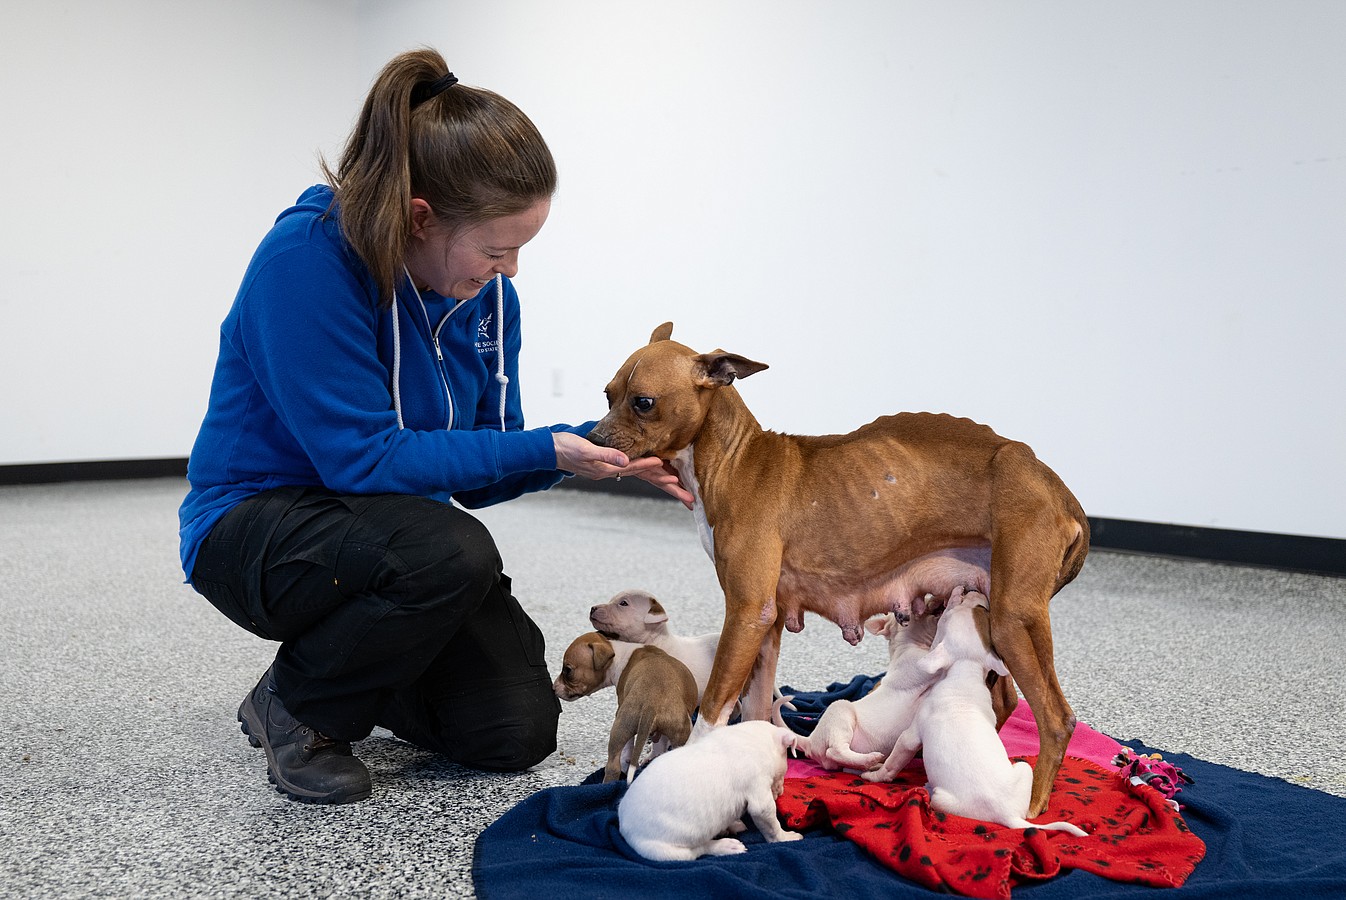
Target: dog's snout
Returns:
[[598, 437]]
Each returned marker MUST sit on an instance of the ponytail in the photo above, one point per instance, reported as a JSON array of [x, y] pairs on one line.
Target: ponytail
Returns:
[[469, 153]]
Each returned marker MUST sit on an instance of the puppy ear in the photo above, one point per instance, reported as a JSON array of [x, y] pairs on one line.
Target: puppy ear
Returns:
[[603, 654], [718, 368], [662, 333], [995, 664], [883, 624], [656, 613]]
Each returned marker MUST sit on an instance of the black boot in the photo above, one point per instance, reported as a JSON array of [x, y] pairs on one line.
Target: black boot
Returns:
[[302, 763]]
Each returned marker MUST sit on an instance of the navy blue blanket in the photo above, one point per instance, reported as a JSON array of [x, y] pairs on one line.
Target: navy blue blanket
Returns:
[[1265, 839]]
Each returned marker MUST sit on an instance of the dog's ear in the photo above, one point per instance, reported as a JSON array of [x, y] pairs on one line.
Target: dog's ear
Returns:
[[655, 614], [995, 664], [603, 654], [716, 369], [881, 624], [662, 333]]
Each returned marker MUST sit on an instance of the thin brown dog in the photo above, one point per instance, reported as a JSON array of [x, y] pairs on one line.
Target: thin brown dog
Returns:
[[849, 526]]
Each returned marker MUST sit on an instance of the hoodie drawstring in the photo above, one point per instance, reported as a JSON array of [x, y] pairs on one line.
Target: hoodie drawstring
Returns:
[[501, 378], [500, 375], [397, 359]]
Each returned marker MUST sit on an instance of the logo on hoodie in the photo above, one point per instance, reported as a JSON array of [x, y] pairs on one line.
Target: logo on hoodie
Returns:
[[486, 342]]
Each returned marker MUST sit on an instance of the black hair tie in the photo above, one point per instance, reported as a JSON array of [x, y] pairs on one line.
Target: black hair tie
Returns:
[[427, 90]]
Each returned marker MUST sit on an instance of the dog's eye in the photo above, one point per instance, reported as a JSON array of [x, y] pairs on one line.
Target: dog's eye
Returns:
[[642, 404]]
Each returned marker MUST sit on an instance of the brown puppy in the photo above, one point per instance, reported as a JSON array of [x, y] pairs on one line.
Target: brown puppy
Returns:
[[656, 696], [850, 526]]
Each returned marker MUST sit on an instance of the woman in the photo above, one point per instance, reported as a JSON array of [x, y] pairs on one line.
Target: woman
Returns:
[[367, 374]]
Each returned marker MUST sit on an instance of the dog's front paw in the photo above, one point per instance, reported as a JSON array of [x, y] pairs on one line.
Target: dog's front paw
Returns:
[[790, 836]]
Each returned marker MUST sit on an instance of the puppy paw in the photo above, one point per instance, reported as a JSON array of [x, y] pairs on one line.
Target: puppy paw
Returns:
[[790, 836], [725, 847], [871, 761]]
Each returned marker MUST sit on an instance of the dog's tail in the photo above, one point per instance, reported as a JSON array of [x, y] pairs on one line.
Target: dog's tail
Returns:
[[1050, 826], [799, 744], [642, 737]]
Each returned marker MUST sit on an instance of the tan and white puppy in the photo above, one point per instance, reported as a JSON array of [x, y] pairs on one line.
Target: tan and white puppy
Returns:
[[860, 734], [656, 696], [684, 800], [638, 617], [591, 662], [968, 772]]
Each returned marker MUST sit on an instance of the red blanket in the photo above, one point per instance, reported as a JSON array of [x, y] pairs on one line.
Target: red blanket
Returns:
[[1134, 834]]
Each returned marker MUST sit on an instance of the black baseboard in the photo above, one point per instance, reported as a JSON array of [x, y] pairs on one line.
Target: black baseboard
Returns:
[[1325, 556], [97, 470], [1297, 553]]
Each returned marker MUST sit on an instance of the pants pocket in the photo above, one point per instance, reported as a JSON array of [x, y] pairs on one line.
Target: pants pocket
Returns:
[[532, 642]]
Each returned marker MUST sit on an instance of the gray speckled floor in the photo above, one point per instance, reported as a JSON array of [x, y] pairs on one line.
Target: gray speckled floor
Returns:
[[123, 772]]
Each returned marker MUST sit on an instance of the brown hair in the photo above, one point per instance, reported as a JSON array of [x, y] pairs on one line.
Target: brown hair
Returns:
[[469, 153]]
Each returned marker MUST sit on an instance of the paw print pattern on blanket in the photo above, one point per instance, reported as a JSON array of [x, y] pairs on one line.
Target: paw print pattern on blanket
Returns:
[[1134, 834]]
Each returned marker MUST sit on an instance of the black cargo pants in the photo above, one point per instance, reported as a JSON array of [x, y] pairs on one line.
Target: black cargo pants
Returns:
[[390, 610]]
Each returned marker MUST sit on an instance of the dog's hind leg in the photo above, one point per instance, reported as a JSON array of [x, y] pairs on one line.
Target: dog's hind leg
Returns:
[[721, 847], [1022, 634], [1037, 546], [762, 811]]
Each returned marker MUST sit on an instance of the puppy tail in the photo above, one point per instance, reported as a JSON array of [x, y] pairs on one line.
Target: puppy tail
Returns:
[[642, 736], [783, 701], [1057, 826]]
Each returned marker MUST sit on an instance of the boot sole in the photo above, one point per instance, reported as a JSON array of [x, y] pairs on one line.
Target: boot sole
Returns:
[[247, 724]]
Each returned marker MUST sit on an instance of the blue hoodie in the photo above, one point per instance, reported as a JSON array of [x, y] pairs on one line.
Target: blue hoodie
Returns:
[[304, 391]]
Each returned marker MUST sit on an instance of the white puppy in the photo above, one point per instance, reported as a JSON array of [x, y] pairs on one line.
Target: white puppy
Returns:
[[860, 734], [681, 803], [968, 772], [637, 617]]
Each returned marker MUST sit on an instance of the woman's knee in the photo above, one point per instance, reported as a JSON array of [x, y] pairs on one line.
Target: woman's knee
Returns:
[[456, 548], [506, 731]]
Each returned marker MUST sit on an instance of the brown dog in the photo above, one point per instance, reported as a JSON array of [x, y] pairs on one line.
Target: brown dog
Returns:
[[849, 526], [656, 696]]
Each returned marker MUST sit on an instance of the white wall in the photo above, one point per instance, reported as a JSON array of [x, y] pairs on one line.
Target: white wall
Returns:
[[148, 144], [1113, 231]]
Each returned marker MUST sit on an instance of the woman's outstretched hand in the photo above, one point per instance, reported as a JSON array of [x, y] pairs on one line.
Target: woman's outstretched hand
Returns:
[[575, 454]]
